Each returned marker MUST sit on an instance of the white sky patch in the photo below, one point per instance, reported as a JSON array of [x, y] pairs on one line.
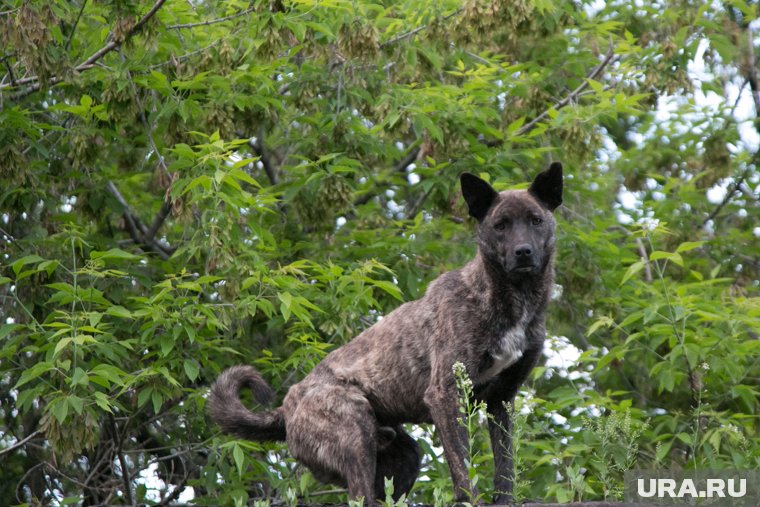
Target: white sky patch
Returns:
[[558, 419], [560, 354], [717, 193], [593, 8], [149, 477], [696, 67], [628, 200]]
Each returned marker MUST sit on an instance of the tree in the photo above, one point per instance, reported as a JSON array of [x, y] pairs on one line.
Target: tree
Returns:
[[191, 185]]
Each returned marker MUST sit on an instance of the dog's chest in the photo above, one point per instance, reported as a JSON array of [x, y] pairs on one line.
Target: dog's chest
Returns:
[[506, 349]]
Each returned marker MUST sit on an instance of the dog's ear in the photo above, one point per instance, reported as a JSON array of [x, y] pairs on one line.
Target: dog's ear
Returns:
[[478, 194], [547, 187]]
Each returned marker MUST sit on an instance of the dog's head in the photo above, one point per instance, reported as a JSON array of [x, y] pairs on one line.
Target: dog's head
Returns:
[[516, 227]]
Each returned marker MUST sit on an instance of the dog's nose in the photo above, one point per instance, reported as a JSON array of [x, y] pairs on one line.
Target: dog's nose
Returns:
[[523, 250]]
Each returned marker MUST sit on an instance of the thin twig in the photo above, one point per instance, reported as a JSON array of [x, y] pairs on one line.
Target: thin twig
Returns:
[[175, 494], [415, 208], [608, 58], [266, 160], [144, 119], [399, 167], [412, 33], [20, 443], [122, 462], [159, 220], [739, 94], [10, 70], [211, 21], [186, 56], [645, 258], [74, 26], [137, 231], [20, 484], [734, 188], [752, 76]]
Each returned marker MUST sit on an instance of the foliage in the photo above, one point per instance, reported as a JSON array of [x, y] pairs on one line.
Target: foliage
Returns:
[[189, 185]]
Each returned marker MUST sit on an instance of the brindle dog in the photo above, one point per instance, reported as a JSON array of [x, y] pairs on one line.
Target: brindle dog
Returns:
[[344, 420]]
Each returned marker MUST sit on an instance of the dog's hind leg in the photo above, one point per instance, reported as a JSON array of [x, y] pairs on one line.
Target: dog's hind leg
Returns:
[[397, 458], [333, 431]]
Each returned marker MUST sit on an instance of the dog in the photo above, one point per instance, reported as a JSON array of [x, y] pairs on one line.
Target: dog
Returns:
[[344, 419]]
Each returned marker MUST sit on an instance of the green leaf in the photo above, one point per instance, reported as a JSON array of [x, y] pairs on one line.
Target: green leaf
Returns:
[[191, 369], [144, 396], [689, 245], [673, 257], [158, 400], [76, 403], [119, 311], [748, 395], [28, 259], [685, 438], [114, 253], [287, 302], [103, 402], [603, 321], [79, 377], [33, 372], [62, 344], [389, 287], [663, 450], [7, 329], [239, 457], [60, 409], [632, 270]]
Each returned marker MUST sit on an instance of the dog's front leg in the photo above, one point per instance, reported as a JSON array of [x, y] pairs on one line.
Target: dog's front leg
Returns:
[[441, 400], [500, 391]]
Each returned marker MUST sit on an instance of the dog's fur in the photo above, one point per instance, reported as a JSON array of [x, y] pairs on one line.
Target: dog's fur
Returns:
[[343, 421]]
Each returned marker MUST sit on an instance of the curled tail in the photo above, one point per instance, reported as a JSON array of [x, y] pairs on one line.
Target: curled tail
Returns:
[[233, 417]]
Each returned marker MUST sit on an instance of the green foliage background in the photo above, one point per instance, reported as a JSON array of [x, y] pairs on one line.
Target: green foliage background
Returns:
[[190, 185]]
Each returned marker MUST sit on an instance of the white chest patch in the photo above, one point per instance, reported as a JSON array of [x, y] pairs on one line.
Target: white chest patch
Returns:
[[508, 351]]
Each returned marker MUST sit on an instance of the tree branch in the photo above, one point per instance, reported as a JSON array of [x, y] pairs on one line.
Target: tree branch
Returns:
[[144, 119], [608, 58], [751, 75], [20, 443], [399, 167], [137, 231], [163, 213], [74, 26], [415, 208], [412, 33], [734, 188], [88, 63], [645, 258], [211, 21], [122, 462], [266, 160]]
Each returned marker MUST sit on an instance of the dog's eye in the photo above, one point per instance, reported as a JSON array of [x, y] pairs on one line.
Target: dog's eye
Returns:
[[536, 221], [500, 226]]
